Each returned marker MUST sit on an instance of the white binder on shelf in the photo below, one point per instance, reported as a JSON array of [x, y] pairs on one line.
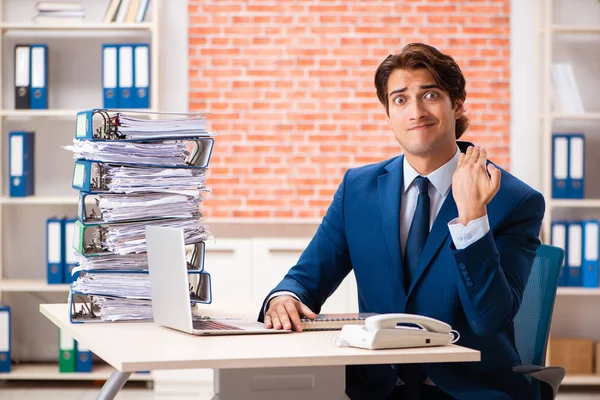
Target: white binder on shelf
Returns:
[[126, 72], [142, 75], [110, 83]]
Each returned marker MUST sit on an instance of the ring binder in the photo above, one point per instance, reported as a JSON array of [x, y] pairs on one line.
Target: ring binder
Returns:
[[110, 208], [89, 307], [180, 153], [195, 254], [99, 239], [97, 177], [136, 285], [108, 124]]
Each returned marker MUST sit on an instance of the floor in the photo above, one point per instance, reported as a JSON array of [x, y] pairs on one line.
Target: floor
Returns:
[[138, 391]]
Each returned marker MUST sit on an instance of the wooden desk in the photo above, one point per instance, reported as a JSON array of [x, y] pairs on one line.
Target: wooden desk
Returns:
[[132, 347]]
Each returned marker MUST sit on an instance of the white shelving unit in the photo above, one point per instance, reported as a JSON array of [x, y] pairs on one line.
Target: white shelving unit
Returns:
[[74, 83], [564, 26], [31, 285]]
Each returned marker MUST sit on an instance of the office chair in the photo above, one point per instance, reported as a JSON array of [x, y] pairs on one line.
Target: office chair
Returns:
[[532, 322]]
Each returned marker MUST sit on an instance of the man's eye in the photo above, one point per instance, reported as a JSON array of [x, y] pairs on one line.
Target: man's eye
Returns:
[[431, 95], [399, 100]]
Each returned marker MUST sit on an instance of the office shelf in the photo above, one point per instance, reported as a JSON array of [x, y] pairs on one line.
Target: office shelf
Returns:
[[565, 203], [575, 28], [38, 113], [584, 116], [581, 380], [50, 372], [46, 200], [26, 26], [30, 285], [577, 291]]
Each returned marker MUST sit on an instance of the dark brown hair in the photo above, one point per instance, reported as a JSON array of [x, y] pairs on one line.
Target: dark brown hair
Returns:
[[444, 70]]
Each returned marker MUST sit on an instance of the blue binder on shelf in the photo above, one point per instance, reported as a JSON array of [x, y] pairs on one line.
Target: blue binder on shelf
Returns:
[[5, 338], [590, 254], [575, 182], [83, 358], [110, 76], [126, 77], [559, 238], [141, 62], [55, 238], [39, 77], [560, 166], [575, 253], [21, 158], [69, 252]]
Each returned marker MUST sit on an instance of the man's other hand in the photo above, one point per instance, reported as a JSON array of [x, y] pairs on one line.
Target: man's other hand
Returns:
[[474, 184], [284, 312]]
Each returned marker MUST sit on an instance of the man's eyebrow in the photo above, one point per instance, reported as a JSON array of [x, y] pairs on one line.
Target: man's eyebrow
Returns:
[[423, 87]]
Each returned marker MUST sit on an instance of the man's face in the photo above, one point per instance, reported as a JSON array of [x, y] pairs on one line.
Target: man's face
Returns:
[[421, 114]]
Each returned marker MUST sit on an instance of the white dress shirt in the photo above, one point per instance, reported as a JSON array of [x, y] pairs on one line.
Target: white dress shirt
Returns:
[[440, 184]]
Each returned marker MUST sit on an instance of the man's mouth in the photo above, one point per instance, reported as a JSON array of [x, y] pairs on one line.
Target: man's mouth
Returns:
[[420, 127]]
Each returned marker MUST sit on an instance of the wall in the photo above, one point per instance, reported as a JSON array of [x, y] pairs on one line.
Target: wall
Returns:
[[290, 88]]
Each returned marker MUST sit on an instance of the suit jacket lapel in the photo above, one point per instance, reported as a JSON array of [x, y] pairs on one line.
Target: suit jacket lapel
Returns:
[[437, 236], [390, 194]]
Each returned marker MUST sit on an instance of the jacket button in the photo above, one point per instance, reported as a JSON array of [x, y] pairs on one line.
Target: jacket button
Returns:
[[470, 283], [469, 237], [462, 266]]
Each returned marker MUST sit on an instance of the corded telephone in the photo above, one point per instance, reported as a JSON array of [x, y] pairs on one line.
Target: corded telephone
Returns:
[[383, 332]]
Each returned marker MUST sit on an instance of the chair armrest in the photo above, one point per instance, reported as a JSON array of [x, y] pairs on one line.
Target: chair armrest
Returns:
[[553, 376]]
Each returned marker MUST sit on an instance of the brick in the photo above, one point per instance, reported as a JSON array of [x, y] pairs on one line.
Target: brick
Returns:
[[290, 88]]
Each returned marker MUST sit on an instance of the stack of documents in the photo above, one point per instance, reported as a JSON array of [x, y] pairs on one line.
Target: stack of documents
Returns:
[[130, 262], [138, 128], [131, 173], [124, 208], [126, 179], [130, 238], [117, 309], [169, 153]]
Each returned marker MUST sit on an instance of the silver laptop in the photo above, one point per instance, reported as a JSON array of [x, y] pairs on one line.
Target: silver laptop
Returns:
[[170, 290]]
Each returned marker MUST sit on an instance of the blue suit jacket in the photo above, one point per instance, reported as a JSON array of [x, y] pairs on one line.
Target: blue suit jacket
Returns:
[[476, 290]]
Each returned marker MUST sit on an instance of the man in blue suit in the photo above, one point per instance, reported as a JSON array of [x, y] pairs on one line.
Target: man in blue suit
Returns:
[[439, 231]]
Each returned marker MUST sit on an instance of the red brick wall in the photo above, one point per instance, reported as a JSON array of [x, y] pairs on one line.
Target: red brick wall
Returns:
[[289, 84]]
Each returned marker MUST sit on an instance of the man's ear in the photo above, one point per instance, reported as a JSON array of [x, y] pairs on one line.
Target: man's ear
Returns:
[[459, 108]]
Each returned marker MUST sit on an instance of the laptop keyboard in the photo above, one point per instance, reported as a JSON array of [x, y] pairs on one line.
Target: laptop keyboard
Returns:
[[208, 325]]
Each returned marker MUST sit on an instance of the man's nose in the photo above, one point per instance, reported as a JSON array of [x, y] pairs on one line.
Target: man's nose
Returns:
[[417, 111]]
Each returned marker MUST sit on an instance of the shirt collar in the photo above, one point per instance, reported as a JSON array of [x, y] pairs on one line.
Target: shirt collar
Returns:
[[441, 178]]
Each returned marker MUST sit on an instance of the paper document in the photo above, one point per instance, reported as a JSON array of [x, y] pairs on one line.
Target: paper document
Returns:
[[169, 153], [115, 309], [146, 179], [128, 238], [139, 128], [122, 208]]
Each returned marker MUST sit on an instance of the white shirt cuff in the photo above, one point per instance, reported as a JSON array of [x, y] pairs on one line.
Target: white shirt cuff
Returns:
[[463, 236], [280, 293]]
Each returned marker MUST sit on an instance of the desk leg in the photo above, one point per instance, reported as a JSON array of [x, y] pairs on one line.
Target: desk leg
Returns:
[[112, 386], [290, 383]]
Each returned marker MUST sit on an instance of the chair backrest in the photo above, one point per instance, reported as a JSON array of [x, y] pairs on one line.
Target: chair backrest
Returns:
[[532, 322]]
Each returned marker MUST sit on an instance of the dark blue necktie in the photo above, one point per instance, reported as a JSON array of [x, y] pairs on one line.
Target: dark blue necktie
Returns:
[[412, 374], [419, 230]]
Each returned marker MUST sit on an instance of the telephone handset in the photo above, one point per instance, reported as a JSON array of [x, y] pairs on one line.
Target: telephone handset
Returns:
[[383, 332]]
